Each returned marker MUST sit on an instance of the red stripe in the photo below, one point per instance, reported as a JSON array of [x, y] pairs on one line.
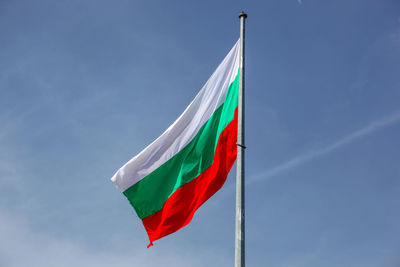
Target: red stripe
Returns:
[[180, 207]]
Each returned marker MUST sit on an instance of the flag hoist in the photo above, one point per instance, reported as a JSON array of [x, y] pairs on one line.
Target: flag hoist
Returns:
[[173, 176]]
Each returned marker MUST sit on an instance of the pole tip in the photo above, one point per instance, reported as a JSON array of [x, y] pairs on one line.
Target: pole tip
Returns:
[[242, 14]]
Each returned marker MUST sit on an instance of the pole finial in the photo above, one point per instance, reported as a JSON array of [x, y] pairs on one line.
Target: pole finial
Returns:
[[242, 14]]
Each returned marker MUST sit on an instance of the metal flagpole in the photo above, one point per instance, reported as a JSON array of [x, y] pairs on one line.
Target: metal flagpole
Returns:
[[239, 234]]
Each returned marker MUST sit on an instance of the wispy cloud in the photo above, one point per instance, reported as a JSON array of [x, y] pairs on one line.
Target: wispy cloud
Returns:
[[22, 246], [304, 158], [395, 37]]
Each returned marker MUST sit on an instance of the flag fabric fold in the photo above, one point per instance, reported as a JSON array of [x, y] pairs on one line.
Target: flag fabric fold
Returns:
[[172, 177]]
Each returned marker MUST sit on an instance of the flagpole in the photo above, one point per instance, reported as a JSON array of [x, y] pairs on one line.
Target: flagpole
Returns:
[[239, 233]]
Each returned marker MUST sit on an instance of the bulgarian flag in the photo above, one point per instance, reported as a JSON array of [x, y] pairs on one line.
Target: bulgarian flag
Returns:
[[172, 177]]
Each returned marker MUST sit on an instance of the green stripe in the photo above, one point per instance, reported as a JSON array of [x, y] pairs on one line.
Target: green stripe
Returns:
[[149, 194]]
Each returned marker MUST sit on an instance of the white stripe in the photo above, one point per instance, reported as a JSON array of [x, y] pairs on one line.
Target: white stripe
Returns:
[[185, 128]]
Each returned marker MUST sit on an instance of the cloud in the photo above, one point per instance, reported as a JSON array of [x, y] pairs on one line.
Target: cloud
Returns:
[[304, 158], [21, 246], [395, 37]]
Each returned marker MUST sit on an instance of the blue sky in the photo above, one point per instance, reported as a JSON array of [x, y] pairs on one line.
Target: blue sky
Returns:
[[86, 85]]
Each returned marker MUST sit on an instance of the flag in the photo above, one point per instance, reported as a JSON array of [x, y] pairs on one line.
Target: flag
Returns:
[[172, 177]]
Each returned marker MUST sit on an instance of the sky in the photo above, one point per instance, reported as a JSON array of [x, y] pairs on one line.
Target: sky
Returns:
[[86, 85]]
